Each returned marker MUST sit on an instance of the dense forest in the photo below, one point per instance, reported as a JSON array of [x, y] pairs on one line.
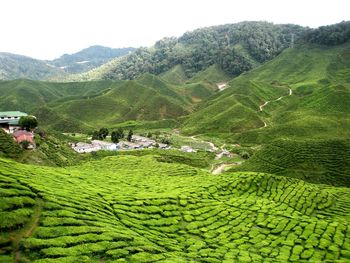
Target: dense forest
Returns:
[[236, 48], [329, 35]]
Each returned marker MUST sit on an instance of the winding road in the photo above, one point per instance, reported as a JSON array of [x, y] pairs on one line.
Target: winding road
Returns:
[[261, 107], [212, 145]]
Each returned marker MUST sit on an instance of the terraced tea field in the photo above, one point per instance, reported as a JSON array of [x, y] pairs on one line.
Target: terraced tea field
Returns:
[[137, 209], [316, 161]]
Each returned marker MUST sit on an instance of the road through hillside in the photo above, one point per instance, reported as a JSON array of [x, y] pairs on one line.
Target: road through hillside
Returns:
[[261, 107]]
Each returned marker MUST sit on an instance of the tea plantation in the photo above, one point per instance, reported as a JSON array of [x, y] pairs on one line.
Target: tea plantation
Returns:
[[137, 209]]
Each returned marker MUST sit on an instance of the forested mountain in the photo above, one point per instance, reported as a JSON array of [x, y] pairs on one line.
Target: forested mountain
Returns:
[[88, 58], [17, 66], [236, 48]]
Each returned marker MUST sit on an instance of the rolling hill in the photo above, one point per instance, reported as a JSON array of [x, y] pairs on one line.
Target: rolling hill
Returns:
[[314, 161], [83, 106], [307, 90]]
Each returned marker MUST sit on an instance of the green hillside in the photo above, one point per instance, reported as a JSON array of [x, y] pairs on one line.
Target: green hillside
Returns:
[[8, 147], [316, 161], [83, 106], [26, 95], [318, 77], [51, 149], [136, 209], [147, 98], [175, 75]]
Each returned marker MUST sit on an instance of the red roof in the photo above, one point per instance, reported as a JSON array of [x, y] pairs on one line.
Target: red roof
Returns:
[[21, 136]]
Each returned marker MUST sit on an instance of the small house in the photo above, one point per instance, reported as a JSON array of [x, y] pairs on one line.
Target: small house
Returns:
[[82, 147], [9, 120], [21, 136], [105, 145]]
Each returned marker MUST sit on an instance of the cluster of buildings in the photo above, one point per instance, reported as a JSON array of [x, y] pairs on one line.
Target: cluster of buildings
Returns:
[[137, 142], [9, 122]]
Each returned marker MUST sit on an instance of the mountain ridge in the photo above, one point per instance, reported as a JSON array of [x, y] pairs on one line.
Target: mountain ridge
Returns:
[[15, 66], [235, 47]]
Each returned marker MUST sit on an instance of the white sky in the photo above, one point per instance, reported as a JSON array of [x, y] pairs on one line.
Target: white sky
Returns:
[[47, 29]]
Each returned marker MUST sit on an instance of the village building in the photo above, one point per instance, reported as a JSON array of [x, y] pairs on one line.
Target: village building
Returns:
[[21, 136], [137, 142], [82, 147], [105, 145], [9, 120], [94, 146]]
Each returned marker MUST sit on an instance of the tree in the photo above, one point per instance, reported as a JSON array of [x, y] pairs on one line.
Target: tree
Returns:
[[129, 137], [28, 122], [95, 135], [165, 141], [121, 133], [103, 133], [115, 136], [245, 155], [100, 135]]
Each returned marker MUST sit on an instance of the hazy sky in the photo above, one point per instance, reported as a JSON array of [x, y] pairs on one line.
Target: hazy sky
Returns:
[[46, 29]]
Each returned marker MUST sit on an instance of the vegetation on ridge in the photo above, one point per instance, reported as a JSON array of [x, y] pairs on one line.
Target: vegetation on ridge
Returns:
[[234, 47]]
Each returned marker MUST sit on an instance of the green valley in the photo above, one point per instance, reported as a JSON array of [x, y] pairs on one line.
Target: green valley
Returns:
[[228, 144]]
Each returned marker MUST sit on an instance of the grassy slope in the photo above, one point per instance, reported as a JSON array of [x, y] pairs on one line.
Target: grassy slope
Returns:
[[318, 108], [144, 99], [140, 210], [27, 95], [52, 149], [8, 147], [175, 76], [83, 106], [200, 87], [317, 161], [212, 75]]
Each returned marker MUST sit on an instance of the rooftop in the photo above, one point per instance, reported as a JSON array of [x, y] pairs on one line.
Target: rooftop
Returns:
[[12, 114]]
